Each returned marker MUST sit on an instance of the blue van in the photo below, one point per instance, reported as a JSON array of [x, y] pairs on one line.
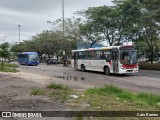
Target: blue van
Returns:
[[28, 58]]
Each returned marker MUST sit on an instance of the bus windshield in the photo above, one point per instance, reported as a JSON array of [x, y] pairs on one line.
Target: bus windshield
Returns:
[[33, 57], [128, 57]]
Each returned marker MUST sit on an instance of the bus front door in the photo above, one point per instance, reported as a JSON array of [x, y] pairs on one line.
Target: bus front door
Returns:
[[76, 60], [115, 56]]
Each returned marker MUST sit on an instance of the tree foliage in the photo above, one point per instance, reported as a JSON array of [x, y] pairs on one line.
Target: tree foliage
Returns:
[[4, 51], [136, 20]]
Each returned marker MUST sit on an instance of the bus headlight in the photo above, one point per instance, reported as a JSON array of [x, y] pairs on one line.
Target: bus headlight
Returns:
[[121, 66]]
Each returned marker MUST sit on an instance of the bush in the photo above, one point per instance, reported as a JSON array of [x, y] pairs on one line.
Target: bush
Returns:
[[149, 66], [37, 92], [140, 98]]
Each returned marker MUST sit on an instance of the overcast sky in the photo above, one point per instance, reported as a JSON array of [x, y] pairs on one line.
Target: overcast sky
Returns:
[[33, 15]]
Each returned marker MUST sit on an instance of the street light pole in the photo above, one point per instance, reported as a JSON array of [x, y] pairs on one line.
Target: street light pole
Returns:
[[63, 17], [63, 23], [4, 39], [19, 32]]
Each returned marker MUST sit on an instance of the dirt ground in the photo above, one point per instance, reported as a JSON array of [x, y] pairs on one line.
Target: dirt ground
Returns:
[[15, 94], [15, 88]]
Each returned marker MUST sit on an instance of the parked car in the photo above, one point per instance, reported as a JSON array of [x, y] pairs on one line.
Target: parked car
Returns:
[[155, 58], [54, 61]]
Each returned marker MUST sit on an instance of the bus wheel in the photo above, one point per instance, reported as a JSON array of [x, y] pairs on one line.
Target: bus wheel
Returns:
[[83, 68], [107, 70]]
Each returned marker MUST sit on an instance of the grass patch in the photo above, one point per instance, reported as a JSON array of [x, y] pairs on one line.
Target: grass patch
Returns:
[[126, 96], [38, 92], [57, 86], [107, 98], [8, 67], [149, 99], [110, 98], [56, 91], [61, 95], [104, 90], [59, 92], [8, 70]]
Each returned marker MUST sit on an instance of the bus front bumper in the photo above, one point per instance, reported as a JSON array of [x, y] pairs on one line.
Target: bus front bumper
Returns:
[[125, 71], [32, 63]]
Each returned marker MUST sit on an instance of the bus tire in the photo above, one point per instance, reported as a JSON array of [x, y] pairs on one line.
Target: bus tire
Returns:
[[83, 68], [107, 70]]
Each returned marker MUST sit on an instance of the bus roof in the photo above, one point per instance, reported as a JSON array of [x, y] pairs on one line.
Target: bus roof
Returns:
[[28, 53], [98, 48]]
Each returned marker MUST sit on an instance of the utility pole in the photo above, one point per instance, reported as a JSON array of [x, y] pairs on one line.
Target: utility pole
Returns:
[[63, 23], [63, 17], [4, 39], [19, 32]]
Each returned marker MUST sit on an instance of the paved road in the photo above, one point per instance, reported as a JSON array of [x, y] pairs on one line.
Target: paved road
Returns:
[[144, 81]]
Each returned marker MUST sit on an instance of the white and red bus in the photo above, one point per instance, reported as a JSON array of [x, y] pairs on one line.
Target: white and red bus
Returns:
[[112, 59]]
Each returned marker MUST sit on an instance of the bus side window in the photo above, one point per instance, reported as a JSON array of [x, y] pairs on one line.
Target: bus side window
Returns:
[[108, 56], [91, 55], [85, 55], [97, 53], [102, 56], [80, 55]]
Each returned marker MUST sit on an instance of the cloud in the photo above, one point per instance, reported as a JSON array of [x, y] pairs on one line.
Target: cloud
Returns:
[[33, 6], [33, 15]]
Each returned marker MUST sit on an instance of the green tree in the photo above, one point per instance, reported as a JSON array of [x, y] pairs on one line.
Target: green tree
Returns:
[[149, 25], [142, 21], [108, 22], [89, 34], [18, 47], [4, 52], [71, 35]]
